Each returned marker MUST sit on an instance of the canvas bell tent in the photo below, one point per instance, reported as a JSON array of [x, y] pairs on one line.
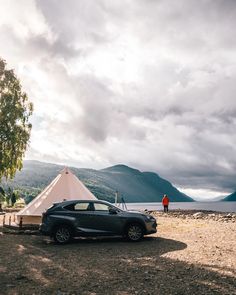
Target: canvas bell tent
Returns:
[[66, 186]]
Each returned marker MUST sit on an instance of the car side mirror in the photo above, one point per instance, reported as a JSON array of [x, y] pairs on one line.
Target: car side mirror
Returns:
[[112, 211]]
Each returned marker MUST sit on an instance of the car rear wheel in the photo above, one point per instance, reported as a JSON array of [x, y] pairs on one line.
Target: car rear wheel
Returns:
[[62, 234], [134, 232]]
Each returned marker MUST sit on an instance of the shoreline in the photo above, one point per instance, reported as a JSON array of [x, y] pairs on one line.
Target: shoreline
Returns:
[[197, 214], [221, 207]]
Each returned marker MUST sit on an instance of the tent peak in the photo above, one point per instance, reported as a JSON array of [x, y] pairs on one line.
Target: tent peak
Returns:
[[66, 170]]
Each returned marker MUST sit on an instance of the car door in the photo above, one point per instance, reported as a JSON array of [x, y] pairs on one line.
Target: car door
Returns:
[[105, 222], [82, 212]]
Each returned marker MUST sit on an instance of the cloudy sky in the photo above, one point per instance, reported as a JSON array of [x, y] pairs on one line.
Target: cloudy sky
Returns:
[[151, 84]]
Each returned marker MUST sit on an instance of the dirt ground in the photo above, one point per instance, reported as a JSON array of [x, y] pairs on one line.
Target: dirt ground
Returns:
[[186, 256]]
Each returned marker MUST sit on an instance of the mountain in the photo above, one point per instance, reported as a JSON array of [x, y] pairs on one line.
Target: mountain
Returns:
[[231, 197], [131, 184]]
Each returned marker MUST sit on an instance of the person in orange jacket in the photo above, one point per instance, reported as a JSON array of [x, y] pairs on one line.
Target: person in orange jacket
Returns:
[[165, 203]]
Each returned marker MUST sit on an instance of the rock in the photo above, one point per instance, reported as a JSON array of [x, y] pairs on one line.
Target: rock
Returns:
[[198, 215], [212, 215]]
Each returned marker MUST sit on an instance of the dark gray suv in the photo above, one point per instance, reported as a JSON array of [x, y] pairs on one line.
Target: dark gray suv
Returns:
[[69, 219]]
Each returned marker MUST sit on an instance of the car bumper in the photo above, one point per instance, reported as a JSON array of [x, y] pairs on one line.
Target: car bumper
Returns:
[[43, 229], [151, 228]]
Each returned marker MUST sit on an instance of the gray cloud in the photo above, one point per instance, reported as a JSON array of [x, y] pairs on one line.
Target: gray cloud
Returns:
[[152, 85], [56, 48]]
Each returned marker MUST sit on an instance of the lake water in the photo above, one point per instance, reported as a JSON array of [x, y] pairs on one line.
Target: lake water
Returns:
[[210, 206]]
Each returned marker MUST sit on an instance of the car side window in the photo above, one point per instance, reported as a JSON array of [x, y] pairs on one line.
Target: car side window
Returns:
[[70, 207], [101, 207], [82, 207]]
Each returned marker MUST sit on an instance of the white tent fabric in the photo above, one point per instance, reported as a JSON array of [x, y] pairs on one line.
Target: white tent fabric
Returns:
[[66, 186]]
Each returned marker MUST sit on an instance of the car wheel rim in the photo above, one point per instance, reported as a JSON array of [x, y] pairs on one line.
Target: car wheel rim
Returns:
[[135, 233], [62, 235]]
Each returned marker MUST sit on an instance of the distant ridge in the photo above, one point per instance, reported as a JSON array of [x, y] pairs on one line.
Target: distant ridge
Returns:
[[132, 184], [120, 168], [230, 198]]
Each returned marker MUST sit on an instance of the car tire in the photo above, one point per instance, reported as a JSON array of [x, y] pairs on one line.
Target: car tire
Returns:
[[134, 232], [62, 234]]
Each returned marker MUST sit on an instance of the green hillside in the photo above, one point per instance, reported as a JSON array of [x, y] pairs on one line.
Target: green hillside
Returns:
[[231, 197], [132, 185]]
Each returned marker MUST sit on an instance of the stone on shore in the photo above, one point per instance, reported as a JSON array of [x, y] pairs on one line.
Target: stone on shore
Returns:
[[198, 215]]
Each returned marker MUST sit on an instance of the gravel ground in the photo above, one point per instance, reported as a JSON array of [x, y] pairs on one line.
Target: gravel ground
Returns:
[[189, 255]]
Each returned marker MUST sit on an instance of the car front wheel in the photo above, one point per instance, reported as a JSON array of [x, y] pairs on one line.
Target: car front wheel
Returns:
[[62, 234], [134, 232]]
